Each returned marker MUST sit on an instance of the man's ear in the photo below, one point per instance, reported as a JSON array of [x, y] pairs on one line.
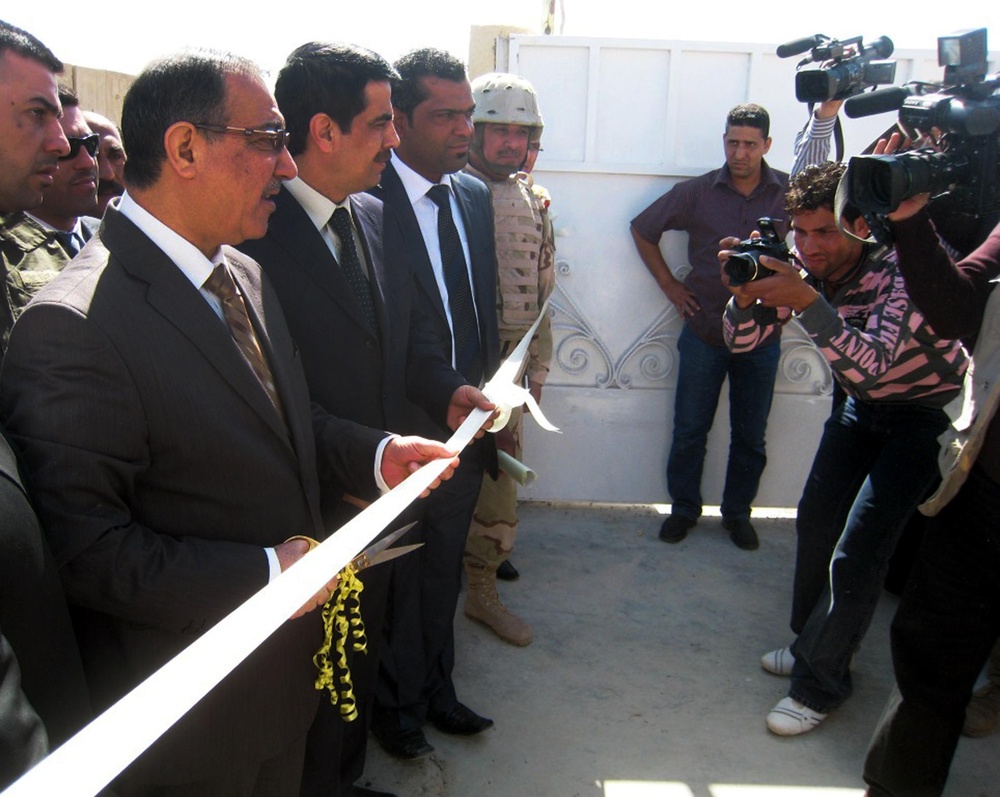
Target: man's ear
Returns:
[[767, 145], [860, 227], [324, 133], [183, 146]]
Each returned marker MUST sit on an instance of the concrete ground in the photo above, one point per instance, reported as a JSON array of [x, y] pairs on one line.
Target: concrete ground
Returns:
[[643, 679]]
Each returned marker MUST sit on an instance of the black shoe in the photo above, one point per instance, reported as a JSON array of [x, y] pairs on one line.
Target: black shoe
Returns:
[[406, 745], [362, 791], [675, 528], [461, 721], [742, 533], [507, 571]]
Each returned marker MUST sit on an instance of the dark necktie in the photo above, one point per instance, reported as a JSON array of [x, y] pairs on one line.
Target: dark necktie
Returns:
[[350, 263], [69, 242], [234, 311], [465, 329]]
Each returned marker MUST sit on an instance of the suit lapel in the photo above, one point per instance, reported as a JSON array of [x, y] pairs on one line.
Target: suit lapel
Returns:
[[173, 296], [292, 229], [368, 220], [394, 193], [482, 274], [248, 277]]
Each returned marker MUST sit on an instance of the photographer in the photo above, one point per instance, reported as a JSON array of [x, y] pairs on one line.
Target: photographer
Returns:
[[877, 457], [949, 616]]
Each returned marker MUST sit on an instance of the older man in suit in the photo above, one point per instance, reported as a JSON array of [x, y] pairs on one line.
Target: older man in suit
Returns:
[[165, 420], [447, 224], [337, 262]]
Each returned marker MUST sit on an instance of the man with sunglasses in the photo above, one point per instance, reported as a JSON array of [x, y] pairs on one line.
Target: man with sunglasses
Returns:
[[43, 240]]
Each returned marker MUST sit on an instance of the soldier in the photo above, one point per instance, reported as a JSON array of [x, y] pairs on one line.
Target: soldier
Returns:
[[507, 119]]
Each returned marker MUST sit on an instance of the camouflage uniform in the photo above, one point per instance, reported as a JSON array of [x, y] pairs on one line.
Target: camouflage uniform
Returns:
[[30, 256]]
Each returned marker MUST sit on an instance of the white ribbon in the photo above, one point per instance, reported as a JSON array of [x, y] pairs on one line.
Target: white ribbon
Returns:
[[91, 759], [503, 391]]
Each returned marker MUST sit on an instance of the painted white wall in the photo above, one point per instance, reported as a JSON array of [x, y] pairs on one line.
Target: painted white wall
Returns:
[[624, 121]]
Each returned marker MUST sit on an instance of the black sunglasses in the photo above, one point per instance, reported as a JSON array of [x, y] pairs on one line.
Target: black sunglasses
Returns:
[[276, 138], [89, 143]]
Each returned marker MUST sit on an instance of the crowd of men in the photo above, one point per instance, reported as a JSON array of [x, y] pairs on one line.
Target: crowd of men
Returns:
[[212, 316], [188, 417]]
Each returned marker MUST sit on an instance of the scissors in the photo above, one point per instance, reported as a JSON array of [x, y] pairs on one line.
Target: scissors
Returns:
[[379, 551]]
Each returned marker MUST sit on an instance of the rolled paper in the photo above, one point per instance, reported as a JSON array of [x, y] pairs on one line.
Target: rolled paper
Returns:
[[516, 469]]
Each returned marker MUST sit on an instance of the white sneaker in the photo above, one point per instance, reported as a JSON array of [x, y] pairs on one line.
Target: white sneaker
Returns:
[[778, 662], [790, 718]]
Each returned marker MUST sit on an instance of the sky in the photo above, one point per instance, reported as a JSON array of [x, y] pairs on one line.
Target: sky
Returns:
[[124, 35]]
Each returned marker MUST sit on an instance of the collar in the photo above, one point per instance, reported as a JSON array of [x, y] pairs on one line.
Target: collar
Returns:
[[767, 177], [416, 185], [318, 208], [185, 255], [76, 229]]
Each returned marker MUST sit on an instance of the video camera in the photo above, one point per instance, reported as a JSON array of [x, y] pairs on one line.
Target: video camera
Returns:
[[836, 70], [962, 113]]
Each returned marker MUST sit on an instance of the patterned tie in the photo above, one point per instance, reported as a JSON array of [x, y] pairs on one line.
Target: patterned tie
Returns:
[[350, 263], [234, 311], [465, 329]]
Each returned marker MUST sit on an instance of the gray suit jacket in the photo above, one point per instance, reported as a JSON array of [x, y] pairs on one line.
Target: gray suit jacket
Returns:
[[160, 470]]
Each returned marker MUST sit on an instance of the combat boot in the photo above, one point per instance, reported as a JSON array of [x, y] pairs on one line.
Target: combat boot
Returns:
[[483, 605]]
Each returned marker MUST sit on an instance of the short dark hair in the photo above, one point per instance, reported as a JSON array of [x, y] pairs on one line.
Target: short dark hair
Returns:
[[326, 78], [750, 114], [68, 97], [407, 92], [815, 187], [27, 46], [187, 87]]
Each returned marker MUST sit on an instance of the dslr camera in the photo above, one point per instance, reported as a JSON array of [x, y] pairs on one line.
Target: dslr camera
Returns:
[[963, 111], [744, 264], [836, 70]]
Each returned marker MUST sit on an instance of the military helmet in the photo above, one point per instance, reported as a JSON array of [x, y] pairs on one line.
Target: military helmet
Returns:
[[506, 99]]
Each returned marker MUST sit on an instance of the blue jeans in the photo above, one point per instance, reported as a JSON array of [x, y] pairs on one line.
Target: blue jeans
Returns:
[[874, 464], [700, 374]]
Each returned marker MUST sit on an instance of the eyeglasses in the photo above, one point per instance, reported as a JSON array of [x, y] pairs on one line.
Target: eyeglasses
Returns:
[[89, 143], [276, 138]]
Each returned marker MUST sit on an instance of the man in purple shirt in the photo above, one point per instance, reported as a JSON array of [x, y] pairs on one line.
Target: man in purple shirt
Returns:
[[727, 201]]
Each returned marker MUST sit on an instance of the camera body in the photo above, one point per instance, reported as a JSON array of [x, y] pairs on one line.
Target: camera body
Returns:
[[744, 264], [966, 118], [836, 70]]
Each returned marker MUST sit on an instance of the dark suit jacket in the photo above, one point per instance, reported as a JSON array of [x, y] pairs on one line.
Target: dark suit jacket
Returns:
[[355, 371], [477, 216], [160, 470], [33, 613]]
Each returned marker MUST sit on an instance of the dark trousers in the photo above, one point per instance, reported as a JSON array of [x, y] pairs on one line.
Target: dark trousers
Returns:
[[418, 652], [946, 625], [875, 462], [335, 749]]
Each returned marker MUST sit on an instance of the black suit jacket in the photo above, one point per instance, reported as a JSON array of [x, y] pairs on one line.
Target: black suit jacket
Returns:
[[161, 469], [476, 208], [355, 371], [33, 613]]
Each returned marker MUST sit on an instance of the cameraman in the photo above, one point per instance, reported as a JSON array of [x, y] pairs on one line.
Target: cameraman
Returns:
[[878, 454], [812, 143], [949, 617]]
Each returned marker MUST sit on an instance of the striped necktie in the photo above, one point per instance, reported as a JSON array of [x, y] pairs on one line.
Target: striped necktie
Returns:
[[234, 311]]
